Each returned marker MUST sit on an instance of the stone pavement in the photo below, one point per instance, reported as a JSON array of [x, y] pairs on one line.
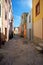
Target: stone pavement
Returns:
[[19, 51]]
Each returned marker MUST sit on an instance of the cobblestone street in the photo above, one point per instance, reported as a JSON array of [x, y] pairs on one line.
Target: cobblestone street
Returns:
[[19, 51]]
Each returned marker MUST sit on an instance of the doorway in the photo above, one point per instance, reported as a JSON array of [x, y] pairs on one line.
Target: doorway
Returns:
[[5, 33], [0, 34], [0, 37], [29, 34]]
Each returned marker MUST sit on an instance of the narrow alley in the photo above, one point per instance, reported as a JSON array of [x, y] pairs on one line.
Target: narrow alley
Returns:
[[21, 32], [18, 51]]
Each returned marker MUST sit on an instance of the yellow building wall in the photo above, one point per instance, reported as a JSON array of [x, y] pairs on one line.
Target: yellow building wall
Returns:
[[34, 3], [37, 20]]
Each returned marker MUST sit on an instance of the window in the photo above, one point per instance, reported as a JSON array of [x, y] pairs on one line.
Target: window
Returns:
[[22, 17], [0, 9], [6, 1], [37, 8], [9, 1], [11, 24], [5, 15]]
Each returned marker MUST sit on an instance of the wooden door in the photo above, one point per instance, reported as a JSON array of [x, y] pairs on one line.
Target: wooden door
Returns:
[[5, 33]]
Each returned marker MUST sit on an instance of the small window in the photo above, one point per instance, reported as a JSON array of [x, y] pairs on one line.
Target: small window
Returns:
[[6, 1], [22, 17], [5, 15], [0, 10], [37, 8]]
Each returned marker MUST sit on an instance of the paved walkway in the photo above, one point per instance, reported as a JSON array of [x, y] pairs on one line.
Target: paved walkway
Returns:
[[20, 52]]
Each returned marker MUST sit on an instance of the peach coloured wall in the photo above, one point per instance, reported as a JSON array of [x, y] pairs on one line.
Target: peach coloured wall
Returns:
[[24, 30], [5, 22]]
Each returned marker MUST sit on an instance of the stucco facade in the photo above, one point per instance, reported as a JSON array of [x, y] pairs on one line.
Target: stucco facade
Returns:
[[4, 19], [29, 26], [37, 8]]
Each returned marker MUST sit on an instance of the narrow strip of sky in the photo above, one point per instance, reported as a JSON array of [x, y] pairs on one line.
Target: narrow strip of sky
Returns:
[[20, 6]]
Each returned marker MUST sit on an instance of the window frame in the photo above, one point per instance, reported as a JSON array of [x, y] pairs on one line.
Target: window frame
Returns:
[[38, 6]]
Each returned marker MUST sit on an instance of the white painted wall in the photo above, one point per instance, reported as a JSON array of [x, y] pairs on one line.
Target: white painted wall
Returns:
[[5, 23], [29, 25]]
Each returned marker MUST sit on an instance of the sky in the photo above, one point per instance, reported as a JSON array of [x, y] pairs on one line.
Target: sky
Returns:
[[19, 7]]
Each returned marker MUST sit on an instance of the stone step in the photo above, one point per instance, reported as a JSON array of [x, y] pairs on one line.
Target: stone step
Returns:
[[41, 45], [38, 48]]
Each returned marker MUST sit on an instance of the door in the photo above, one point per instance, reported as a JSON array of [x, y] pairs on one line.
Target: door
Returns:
[[0, 37], [29, 34], [0, 34], [5, 33]]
